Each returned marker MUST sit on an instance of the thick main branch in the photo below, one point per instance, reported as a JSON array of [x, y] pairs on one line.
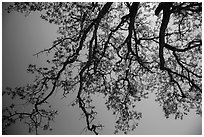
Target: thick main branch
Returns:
[[165, 21]]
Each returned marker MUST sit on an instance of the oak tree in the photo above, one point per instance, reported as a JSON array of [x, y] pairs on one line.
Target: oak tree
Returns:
[[120, 50]]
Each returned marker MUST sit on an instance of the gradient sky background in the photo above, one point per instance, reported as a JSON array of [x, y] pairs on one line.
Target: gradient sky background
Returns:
[[24, 36]]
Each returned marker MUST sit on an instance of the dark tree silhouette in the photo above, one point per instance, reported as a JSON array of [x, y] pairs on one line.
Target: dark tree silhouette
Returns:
[[117, 50]]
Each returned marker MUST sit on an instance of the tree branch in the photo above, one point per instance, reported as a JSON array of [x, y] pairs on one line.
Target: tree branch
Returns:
[[195, 43], [165, 21]]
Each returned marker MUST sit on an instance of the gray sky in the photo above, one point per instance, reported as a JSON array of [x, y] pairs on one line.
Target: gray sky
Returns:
[[24, 36]]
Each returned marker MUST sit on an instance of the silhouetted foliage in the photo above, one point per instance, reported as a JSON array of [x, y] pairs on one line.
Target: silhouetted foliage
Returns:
[[121, 50]]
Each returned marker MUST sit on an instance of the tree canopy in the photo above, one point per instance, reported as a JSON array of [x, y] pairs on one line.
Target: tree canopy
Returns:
[[123, 51]]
